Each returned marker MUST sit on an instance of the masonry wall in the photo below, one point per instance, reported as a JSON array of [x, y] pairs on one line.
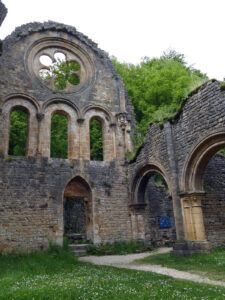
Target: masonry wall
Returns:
[[159, 204], [214, 203], [32, 187], [170, 148], [203, 115], [31, 212]]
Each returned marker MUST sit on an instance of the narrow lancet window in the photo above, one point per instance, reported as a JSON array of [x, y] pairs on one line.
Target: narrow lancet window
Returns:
[[18, 132], [59, 136], [96, 140]]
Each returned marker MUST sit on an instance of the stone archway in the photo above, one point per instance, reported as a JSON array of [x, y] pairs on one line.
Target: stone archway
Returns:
[[152, 214], [77, 207], [199, 203]]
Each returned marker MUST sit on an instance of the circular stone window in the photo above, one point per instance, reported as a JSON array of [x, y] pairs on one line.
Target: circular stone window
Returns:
[[60, 65]]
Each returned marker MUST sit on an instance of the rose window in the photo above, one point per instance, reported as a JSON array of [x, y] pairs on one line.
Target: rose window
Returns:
[[58, 71], [60, 66]]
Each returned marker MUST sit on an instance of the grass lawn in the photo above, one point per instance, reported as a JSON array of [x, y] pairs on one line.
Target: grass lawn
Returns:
[[56, 274], [209, 265]]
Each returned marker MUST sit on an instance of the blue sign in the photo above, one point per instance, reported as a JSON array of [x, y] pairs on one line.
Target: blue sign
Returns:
[[164, 222]]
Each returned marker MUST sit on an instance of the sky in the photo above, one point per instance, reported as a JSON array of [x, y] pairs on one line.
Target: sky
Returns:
[[132, 29]]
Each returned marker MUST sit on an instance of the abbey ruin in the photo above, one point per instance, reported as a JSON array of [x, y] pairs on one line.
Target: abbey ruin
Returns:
[[116, 199]]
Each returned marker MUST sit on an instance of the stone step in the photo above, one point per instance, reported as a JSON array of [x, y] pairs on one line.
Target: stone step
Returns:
[[80, 252], [77, 237], [79, 246], [79, 249]]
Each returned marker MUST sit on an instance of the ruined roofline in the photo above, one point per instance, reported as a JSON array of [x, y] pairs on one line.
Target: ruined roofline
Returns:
[[33, 27], [3, 12], [175, 117]]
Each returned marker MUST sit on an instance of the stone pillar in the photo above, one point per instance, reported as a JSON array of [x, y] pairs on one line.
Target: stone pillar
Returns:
[[80, 122], [138, 221], [174, 182], [122, 121], [40, 117], [195, 240], [113, 127], [193, 218]]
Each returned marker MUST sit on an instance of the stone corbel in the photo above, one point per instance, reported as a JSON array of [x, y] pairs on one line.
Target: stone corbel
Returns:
[[80, 121], [122, 120]]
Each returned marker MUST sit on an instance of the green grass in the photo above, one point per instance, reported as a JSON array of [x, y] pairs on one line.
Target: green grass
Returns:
[[56, 274], [208, 265]]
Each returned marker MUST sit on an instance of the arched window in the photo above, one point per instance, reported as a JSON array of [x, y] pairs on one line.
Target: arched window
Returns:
[[59, 136], [18, 132], [96, 140]]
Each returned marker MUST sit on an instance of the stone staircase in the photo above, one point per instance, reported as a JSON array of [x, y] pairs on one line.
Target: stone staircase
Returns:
[[77, 245]]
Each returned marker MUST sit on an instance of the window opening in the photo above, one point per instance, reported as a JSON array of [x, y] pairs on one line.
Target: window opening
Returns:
[[59, 136], [96, 140], [18, 132]]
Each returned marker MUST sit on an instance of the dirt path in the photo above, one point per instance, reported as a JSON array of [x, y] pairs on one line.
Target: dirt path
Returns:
[[125, 261]]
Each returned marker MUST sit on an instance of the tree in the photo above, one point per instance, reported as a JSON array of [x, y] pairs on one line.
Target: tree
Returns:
[[18, 133], [59, 136], [96, 148], [157, 86]]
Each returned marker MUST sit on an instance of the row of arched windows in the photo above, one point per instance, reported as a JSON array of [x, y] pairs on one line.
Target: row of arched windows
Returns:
[[59, 135]]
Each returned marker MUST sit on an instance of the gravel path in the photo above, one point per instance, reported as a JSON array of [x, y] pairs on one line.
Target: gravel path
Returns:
[[125, 261]]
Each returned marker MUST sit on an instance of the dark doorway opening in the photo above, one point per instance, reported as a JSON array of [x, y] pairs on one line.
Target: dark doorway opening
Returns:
[[74, 215], [77, 206]]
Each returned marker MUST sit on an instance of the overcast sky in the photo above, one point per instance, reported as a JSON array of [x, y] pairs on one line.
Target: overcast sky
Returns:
[[132, 29]]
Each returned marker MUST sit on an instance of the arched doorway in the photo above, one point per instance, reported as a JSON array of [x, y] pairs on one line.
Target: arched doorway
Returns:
[[204, 186], [152, 208], [77, 208]]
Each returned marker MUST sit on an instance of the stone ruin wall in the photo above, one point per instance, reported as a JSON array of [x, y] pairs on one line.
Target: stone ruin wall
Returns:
[[31, 211], [168, 149], [32, 187]]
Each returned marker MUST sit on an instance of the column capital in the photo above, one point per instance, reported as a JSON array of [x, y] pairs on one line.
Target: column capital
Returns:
[[80, 121], [138, 207], [40, 116]]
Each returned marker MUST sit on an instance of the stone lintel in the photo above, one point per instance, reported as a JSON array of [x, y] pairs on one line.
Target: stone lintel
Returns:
[[185, 248], [138, 207], [192, 193]]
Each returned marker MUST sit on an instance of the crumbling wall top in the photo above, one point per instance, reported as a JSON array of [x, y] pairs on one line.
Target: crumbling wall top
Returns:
[[3, 12]]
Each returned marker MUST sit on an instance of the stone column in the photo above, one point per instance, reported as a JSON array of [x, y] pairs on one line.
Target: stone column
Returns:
[[138, 221], [195, 239], [40, 117], [122, 121], [113, 127], [193, 218], [80, 122]]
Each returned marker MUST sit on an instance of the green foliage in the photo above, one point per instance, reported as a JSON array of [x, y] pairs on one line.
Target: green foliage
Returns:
[[121, 248], [211, 265], [222, 152], [158, 86], [222, 86], [96, 147], [18, 133], [160, 181], [62, 72], [59, 136]]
